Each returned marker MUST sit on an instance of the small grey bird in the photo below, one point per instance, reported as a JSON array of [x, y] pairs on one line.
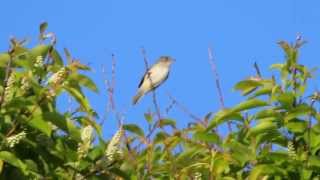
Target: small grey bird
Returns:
[[154, 77]]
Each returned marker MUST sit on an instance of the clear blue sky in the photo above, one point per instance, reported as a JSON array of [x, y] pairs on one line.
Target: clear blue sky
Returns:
[[240, 32]]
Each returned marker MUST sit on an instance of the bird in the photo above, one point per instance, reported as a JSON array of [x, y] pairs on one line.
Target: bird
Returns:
[[154, 77]]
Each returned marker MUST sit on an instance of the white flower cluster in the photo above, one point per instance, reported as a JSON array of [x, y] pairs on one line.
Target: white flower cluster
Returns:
[[25, 84], [197, 176], [8, 91], [50, 94], [79, 177], [113, 146], [87, 138], [15, 139], [58, 77], [87, 134], [39, 62], [291, 151]]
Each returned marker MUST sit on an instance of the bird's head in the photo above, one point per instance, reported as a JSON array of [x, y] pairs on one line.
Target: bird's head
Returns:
[[166, 60]]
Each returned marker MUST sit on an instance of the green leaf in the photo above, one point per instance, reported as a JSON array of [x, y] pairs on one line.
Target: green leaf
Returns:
[[134, 129], [314, 161], [296, 126], [57, 59], [4, 58], [187, 154], [301, 110], [286, 100], [207, 137], [160, 137], [148, 117], [222, 116], [285, 47], [270, 136], [96, 152], [82, 100], [240, 152], [276, 66], [119, 173], [262, 91], [11, 159], [247, 86], [73, 131], [249, 104], [266, 113], [262, 170], [262, 127], [43, 27], [40, 50], [84, 81], [167, 122], [39, 123], [31, 165]]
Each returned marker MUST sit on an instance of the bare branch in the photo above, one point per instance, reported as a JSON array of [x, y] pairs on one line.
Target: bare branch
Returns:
[[110, 86], [154, 98], [184, 109], [217, 79], [257, 69]]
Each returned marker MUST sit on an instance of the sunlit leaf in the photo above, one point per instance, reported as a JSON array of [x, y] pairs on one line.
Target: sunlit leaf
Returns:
[[84, 81], [11, 158], [43, 27], [167, 122], [262, 127], [262, 170], [208, 137], [42, 125], [249, 104], [133, 128], [222, 116]]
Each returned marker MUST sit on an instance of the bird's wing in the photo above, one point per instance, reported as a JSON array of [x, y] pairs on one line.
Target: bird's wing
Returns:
[[144, 77]]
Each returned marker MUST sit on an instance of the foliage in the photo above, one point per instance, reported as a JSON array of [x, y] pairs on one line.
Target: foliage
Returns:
[[276, 129]]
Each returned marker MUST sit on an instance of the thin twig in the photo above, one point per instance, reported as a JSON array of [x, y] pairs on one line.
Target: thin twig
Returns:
[[217, 79], [110, 85], [184, 109], [154, 98], [257, 69]]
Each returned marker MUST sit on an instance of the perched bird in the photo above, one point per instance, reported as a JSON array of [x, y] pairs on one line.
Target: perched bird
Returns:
[[154, 77]]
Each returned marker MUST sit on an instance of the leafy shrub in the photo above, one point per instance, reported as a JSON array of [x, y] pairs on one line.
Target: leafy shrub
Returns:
[[276, 130]]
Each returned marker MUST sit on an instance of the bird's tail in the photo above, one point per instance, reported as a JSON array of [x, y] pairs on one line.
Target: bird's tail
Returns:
[[137, 97]]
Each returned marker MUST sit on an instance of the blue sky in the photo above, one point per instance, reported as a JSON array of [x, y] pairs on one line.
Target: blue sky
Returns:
[[240, 32]]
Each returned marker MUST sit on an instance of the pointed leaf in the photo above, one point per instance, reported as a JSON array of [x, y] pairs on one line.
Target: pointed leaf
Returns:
[[262, 127], [249, 104], [222, 116], [134, 129], [167, 122], [11, 159], [84, 81], [43, 27], [207, 137], [39, 123]]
